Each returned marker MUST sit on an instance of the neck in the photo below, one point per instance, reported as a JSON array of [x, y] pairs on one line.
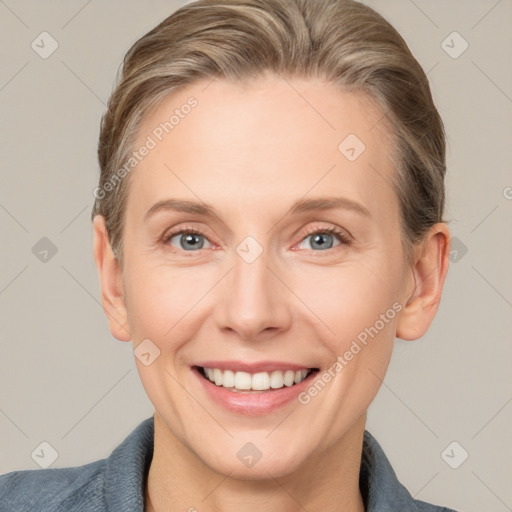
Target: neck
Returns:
[[327, 481]]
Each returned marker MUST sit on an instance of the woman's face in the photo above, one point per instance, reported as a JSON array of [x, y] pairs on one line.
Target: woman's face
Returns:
[[246, 287]]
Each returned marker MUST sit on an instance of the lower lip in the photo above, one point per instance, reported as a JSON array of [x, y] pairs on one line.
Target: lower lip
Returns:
[[250, 403]]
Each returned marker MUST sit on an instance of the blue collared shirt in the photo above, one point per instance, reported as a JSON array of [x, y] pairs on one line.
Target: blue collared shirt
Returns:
[[117, 483]]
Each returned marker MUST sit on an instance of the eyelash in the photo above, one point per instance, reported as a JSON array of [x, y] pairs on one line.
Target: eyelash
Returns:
[[343, 238]]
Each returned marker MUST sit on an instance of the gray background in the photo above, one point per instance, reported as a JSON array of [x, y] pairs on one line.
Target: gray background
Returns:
[[65, 380]]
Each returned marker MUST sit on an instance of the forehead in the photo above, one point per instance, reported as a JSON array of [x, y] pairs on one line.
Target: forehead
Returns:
[[272, 140]]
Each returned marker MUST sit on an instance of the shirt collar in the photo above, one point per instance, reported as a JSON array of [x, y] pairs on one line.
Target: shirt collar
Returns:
[[127, 470], [380, 488]]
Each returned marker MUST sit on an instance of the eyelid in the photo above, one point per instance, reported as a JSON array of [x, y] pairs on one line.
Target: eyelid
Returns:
[[172, 232], [344, 237]]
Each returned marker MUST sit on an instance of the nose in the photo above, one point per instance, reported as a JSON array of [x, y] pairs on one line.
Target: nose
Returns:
[[253, 299]]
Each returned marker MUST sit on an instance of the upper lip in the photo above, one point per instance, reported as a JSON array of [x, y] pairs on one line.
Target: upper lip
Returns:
[[259, 366]]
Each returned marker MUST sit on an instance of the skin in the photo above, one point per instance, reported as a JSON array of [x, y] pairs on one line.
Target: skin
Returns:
[[251, 150]]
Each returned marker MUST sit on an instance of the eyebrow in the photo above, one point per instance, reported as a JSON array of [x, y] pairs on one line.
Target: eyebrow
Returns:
[[300, 206]]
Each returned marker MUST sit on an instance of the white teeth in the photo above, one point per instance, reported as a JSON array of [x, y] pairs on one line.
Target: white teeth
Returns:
[[300, 375], [258, 381], [289, 378], [242, 380], [228, 379], [276, 380]]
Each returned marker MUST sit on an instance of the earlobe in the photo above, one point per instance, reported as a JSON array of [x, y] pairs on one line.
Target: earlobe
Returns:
[[112, 291], [429, 272]]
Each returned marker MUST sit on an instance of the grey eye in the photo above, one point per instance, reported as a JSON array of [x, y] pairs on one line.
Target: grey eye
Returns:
[[188, 241], [321, 240]]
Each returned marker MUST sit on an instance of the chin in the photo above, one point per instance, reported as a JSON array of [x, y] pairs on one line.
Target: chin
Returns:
[[250, 463]]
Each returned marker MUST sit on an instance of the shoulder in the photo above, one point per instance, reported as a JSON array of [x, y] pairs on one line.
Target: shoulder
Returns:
[[54, 489], [422, 506], [116, 482], [380, 487]]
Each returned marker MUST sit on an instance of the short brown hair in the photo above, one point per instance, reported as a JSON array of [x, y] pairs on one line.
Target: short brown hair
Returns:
[[343, 41]]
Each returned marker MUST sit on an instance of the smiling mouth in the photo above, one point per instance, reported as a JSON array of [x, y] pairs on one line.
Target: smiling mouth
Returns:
[[244, 382]]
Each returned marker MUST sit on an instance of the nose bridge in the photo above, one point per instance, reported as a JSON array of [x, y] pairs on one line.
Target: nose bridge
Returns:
[[250, 272], [253, 301]]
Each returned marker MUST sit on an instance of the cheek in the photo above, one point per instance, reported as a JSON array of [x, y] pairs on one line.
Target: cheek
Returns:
[[360, 308], [163, 301], [347, 299]]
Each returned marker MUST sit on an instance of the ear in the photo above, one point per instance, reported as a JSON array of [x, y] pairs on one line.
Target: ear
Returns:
[[111, 281], [428, 272]]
